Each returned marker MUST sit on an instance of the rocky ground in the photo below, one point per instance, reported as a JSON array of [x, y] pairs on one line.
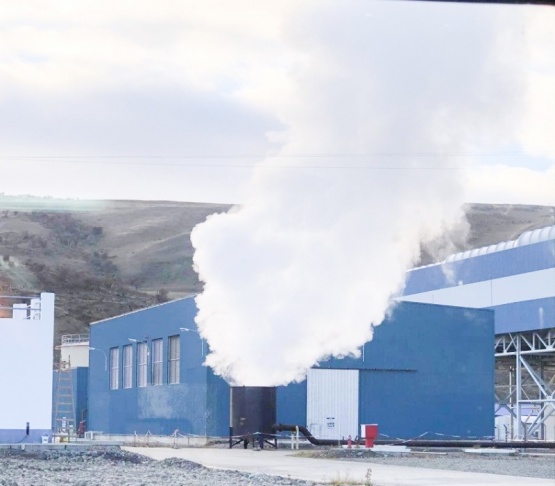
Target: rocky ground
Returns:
[[121, 468], [532, 465], [101, 468]]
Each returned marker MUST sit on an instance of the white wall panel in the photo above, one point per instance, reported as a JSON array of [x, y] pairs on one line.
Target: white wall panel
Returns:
[[332, 403], [489, 293]]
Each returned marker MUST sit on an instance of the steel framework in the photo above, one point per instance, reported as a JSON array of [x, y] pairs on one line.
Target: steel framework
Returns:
[[525, 381]]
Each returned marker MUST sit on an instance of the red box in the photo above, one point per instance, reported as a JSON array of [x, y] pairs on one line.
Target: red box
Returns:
[[370, 434]]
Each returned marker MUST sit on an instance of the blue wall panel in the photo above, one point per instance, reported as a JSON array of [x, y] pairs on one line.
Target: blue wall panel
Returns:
[[524, 259], [424, 337], [218, 406], [428, 367], [160, 409], [525, 316], [291, 404]]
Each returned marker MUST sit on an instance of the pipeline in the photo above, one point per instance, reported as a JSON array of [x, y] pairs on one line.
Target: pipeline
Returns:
[[515, 444], [303, 430], [419, 442]]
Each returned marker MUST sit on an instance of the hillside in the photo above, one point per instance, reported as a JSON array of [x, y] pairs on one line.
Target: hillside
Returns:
[[104, 258]]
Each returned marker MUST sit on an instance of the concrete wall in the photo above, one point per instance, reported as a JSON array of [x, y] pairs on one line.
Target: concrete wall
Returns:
[[518, 283], [428, 369], [26, 361], [75, 354]]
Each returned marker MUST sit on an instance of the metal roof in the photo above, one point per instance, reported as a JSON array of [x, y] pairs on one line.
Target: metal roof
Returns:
[[526, 238]]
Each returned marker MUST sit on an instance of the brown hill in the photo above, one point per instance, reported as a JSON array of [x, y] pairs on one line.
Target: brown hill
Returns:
[[104, 258], [100, 258]]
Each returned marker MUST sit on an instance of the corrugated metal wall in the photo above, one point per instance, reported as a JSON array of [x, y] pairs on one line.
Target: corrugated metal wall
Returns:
[[158, 409], [428, 369], [518, 283], [332, 403]]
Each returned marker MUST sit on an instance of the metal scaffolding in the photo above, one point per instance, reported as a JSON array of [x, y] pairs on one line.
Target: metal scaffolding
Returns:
[[525, 381], [64, 404]]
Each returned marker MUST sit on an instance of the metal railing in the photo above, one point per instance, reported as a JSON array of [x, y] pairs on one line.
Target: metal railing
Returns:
[[75, 338], [20, 306]]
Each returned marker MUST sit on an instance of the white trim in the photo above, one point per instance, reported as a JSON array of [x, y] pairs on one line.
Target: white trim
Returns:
[[143, 309], [489, 293]]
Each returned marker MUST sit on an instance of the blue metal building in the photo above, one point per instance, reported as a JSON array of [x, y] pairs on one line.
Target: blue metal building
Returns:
[[515, 279], [429, 369]]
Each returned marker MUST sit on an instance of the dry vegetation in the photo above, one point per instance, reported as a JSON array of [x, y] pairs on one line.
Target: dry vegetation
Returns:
[[100, 262]]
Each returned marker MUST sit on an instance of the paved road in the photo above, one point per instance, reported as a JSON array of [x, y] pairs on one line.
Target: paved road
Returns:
[[282, 463]]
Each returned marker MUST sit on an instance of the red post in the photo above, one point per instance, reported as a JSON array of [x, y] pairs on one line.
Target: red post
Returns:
[[371, 433], [349, 442]]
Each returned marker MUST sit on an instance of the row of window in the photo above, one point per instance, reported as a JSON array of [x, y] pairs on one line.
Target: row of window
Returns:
[[156, 356]]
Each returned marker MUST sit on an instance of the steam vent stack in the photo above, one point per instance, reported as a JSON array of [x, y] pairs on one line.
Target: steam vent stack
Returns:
[[252, 415]]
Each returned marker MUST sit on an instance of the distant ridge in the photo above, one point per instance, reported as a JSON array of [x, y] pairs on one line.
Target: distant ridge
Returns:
[[105, 258]]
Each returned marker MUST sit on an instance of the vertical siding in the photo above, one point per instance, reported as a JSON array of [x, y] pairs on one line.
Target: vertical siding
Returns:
[[332, 403], [428, 369], [291, 404], [159, 409], [518, 283]]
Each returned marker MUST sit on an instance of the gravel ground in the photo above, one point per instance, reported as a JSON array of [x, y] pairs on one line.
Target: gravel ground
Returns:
[[100, 468], [525, 465], [122, 468]]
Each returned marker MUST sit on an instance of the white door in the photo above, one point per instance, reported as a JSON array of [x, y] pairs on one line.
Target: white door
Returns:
[[332, 403]]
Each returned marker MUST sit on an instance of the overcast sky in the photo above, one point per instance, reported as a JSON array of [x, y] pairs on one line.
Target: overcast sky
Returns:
[[179, 100]]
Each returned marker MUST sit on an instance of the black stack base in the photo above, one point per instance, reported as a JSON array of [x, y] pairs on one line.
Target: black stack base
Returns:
[[258, 439]]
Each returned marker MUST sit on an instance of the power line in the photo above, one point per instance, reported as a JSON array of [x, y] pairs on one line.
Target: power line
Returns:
[[272, 156], [179, 160]]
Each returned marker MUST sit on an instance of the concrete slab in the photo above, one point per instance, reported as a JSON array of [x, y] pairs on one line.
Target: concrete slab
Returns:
[[76, 447], [391, 449], [491, 452], [282, 463]]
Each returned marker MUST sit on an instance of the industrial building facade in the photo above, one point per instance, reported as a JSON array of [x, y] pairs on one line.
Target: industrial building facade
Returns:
[[515, 279], [428, 370]]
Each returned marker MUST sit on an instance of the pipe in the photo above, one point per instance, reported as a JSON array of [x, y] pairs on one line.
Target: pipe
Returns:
[[469, 443], [303, 430], [419, 442]]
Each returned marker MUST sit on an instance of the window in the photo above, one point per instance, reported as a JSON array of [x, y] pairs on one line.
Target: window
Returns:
[[157, 361], [114, 368], [128, 366], [142, 359], [173, 359]]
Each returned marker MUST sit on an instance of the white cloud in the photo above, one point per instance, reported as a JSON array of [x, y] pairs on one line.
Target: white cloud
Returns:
[[94, 78], [501, 184], [300, 271]]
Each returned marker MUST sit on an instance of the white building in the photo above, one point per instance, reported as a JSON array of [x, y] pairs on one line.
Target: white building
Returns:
[[26, 361]]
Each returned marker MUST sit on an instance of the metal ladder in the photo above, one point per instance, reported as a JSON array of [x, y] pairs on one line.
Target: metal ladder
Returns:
[[64, 405]]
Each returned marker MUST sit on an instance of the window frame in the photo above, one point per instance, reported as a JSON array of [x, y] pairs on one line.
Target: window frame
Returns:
[[142, 364], [114, 368], [174, 359], [127, 366], [157, 370]]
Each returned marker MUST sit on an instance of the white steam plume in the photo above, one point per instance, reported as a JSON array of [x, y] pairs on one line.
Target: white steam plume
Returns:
[[309, 262]]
